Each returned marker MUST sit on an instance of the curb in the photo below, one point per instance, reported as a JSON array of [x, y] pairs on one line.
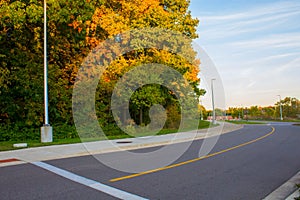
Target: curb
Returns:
[[10, 162], [89, 148], [285, 191], [294, 195]]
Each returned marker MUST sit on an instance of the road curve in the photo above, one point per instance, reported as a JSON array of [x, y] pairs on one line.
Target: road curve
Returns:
[[246, 164]]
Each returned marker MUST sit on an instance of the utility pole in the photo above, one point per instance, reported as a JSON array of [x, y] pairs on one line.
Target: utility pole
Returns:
[[46, 129]]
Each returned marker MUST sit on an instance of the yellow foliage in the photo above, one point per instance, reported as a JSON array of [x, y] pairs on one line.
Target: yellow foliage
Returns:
[[117, 16]]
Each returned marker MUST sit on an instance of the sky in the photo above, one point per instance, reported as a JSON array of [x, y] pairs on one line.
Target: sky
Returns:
[[255, 46]]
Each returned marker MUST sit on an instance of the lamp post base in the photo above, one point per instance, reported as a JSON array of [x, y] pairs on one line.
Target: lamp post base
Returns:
[[46, 133]]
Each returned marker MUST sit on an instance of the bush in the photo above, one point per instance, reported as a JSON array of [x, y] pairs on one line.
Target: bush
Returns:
[[18, 132], [21, 132]]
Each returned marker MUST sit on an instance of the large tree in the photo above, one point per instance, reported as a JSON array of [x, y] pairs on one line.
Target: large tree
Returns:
[[75, 27], [115, 17]]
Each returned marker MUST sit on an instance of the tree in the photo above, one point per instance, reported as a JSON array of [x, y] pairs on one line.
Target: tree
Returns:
[[21, 59], [202, 112], [234, 112], [74, 29], [115, 17], [290, 107]]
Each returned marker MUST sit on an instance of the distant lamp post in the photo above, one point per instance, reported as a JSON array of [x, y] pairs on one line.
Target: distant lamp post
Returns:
[[46, 129], [280, 107], [213, 101]]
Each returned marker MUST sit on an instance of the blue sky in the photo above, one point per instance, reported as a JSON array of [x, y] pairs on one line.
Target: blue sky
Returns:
[[255, 46]]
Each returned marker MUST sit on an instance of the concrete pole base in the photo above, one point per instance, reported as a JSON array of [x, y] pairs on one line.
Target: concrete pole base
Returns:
[[46, 134]]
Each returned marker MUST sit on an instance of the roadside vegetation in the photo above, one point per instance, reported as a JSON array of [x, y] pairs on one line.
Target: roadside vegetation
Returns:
[[290, 111], [244, 122], [74, 30], [8, 145]]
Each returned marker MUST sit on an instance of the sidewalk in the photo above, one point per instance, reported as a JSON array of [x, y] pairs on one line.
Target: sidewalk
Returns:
[[80, 149]]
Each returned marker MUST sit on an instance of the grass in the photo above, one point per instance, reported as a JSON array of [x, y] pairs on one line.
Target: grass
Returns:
[[298, 186], [8, 145], [244, 122], [285, 120]]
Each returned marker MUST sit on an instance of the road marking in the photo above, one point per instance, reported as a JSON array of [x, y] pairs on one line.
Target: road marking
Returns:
[[88, 182], [192, 160], [9, 160]]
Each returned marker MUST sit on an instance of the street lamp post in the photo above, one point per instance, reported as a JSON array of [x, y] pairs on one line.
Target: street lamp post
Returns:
[[213, 101], [46, 129], [280, 107]]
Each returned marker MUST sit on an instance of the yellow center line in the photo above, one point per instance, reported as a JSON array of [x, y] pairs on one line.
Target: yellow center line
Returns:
[[192, 160]]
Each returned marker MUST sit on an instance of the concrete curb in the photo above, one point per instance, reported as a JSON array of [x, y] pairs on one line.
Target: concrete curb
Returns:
[[107, 146], [294, 195], [285, 191]]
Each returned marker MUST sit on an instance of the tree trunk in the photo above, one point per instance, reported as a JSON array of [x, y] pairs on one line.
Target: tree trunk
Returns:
[[141, 116]]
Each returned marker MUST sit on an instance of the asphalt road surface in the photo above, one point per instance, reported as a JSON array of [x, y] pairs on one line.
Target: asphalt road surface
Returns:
[[246, 164]]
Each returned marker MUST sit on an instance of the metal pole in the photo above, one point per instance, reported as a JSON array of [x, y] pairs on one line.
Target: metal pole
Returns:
[[213, 101], [46, 129], [45, 66], [280, 105]]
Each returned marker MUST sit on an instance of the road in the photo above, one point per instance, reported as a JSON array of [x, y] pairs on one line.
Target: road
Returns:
[[245, 164]]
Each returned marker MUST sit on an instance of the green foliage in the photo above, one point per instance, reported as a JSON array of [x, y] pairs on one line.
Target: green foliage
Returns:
[[244, 122], [290, 108], [74, 28]]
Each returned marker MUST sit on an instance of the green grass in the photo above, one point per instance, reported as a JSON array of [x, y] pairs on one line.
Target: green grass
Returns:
[[244, 122], [5, 146], [298, 186], [285, 120]]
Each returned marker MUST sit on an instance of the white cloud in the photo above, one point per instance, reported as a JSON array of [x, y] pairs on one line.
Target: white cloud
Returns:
[[257, 51], [290, 65], [274, 9], [258, 19], [287, 40]]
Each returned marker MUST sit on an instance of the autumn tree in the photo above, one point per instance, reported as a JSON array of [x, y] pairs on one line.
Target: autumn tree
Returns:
[[115, 17], [75, 28]]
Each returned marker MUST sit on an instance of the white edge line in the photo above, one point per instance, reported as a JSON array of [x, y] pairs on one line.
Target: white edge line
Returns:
[[88, 182]]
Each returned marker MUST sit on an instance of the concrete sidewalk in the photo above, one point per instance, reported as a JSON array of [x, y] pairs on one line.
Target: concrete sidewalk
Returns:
[[89, 148]]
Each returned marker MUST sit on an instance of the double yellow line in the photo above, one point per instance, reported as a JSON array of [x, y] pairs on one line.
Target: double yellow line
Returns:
[[191, 161]]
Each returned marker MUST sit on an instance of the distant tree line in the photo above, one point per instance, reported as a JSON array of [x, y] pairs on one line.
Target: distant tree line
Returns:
[[290, 110]]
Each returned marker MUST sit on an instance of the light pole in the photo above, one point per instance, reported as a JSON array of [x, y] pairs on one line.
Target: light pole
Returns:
[[280, 107], [46, 129], [213, 101]]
